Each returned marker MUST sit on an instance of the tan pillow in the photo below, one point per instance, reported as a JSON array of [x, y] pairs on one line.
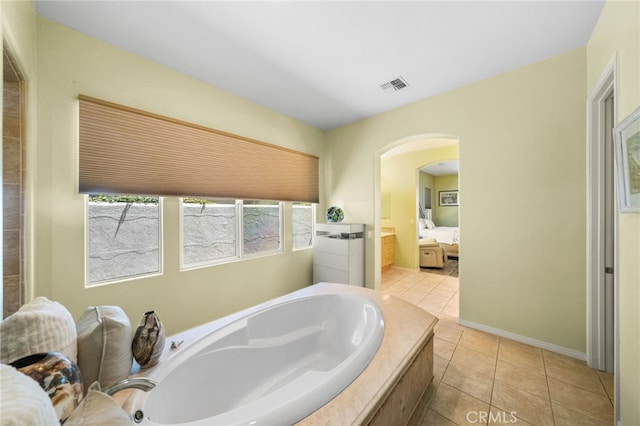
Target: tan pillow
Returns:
[[104, 345], [39, 326], [98, 408], [23, 401]]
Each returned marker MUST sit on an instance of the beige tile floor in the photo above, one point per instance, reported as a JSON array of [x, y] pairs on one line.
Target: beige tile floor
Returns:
[[481, 378]]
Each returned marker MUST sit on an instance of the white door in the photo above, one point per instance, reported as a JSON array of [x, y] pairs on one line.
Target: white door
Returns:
[[609, 231], [601, 224]]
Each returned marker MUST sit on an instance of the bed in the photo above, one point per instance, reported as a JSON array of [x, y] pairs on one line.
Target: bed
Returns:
[[447, 236]]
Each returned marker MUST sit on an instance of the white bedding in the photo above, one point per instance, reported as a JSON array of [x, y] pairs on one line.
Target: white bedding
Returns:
[[442, 234]]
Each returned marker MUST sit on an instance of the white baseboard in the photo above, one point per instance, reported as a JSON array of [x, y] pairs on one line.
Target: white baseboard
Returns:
[[524, 339]]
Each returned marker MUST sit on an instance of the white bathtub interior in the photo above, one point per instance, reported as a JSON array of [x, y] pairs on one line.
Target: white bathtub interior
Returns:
[[274, 366]]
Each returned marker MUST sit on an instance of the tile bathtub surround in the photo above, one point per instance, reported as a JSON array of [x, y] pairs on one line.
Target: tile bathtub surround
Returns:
[[13, 161], [481, 378]]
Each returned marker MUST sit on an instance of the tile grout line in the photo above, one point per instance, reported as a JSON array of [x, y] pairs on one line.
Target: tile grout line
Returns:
[[495, 372], [546, 379], [605, 388]]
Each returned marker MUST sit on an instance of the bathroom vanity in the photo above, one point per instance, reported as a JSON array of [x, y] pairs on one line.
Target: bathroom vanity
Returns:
[[387, 248]]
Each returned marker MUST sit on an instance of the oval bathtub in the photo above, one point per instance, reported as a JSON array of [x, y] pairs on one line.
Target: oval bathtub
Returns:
[[275, 366]]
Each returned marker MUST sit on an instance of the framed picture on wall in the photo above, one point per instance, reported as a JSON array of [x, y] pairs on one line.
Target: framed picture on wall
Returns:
[[449, 198], [627, 147]]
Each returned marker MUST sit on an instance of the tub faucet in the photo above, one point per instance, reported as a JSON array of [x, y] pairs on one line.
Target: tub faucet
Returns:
[[143, 383]]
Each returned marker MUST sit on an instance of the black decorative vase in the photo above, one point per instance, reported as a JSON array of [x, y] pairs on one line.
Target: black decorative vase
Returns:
[[58, 376], [148, 340]]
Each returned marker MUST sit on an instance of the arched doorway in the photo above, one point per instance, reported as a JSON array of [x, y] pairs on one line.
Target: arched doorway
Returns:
[[402, 207]]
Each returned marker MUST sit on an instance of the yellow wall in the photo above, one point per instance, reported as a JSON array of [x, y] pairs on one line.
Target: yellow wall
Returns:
[[18, 31], [618, 31], [400, 175], [425, 180], [69, 64], [522, 156], [445, 215]]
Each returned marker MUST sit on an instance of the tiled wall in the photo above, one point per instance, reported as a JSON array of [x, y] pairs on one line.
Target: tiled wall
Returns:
[[13, 161]]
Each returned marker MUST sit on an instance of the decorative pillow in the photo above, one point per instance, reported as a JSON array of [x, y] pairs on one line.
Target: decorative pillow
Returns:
[[39, 326], [23, 401], [429, 224], [422, 223], [104, 345], [98, 408]]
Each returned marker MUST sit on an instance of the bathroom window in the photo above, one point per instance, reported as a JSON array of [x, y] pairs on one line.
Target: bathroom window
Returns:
[[302, 220], [217, 230], [123, 237], [209, 231], [261, 227]]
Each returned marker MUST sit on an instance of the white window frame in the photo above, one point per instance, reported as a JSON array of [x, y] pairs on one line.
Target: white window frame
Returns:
[[280, 248], [204, 263], [239, 232], [160, 271], [313, 227]]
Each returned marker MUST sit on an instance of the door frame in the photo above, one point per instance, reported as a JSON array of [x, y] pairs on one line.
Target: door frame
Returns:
[[595, 234]]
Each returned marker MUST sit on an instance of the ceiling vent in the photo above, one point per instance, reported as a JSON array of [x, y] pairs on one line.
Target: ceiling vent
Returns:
[[395, 84]]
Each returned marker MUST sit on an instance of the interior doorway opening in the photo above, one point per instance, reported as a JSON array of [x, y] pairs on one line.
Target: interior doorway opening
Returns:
[[396, 184], [439, 205]]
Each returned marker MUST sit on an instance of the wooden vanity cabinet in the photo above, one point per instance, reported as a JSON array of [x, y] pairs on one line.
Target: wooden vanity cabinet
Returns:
[[388, 247]]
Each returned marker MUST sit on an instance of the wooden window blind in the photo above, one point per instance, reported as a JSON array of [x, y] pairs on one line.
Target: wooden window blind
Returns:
[[128, 151]]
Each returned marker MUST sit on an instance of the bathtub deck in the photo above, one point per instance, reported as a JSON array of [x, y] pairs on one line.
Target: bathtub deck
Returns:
[[388, 390]]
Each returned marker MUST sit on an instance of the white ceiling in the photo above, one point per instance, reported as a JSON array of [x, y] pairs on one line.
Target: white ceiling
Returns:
[[323, 62], [445, 167], [442, 168]]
